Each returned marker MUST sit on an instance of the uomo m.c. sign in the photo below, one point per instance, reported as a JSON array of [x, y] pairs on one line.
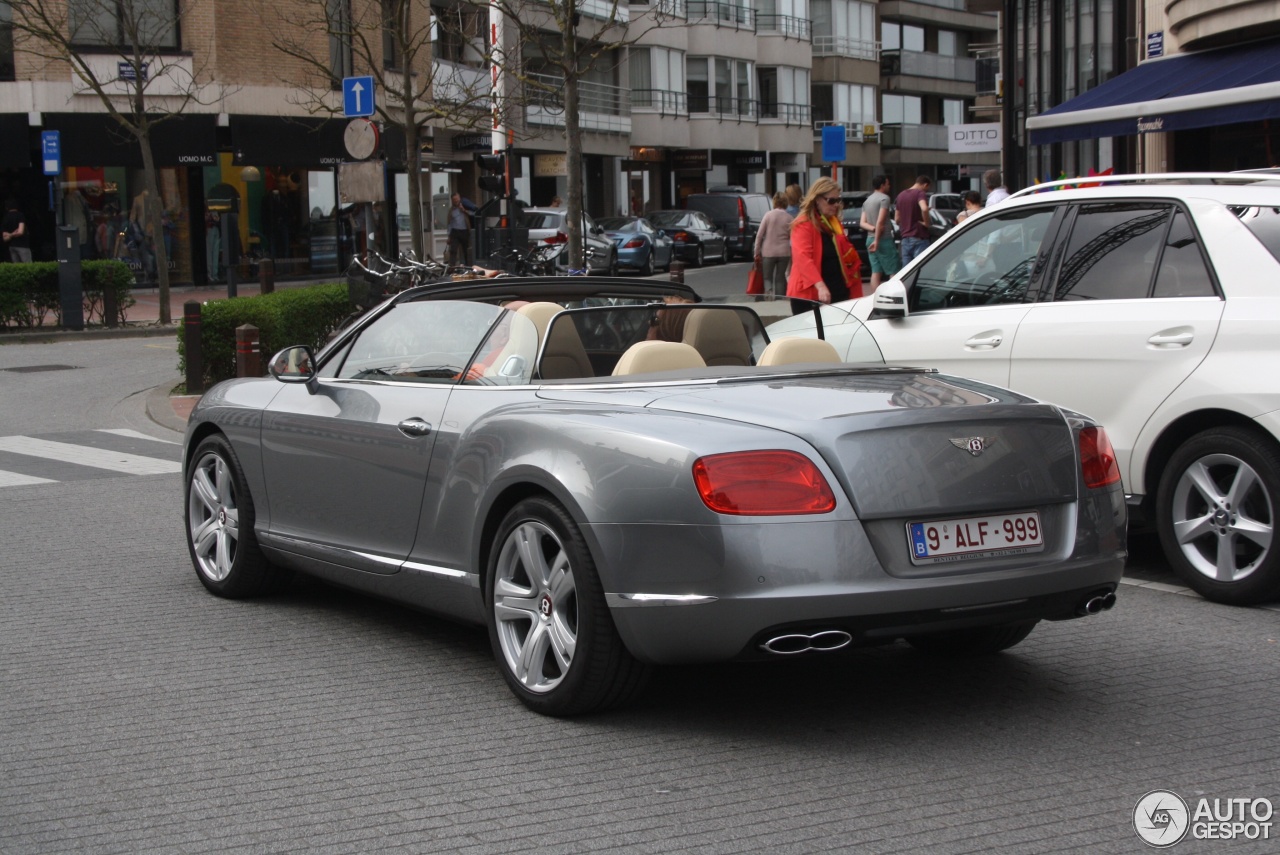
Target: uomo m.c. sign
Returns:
[[970, 138]]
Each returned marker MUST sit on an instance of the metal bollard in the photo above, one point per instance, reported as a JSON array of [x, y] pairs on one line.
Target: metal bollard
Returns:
[[266, 276], [677, 271], [248, 352], [191, 346]]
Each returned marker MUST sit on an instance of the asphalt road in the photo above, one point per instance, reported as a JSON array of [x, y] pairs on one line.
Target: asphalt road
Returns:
[[138, 714]]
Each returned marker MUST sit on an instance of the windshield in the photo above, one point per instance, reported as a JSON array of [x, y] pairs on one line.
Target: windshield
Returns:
[[852, 341], [669, 218], [537, 220]]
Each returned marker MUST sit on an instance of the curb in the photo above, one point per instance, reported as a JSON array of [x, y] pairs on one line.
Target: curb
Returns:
[[148, 330], [160, 408]]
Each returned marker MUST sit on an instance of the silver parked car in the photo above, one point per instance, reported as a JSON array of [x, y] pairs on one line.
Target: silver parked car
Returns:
[[611, 475]]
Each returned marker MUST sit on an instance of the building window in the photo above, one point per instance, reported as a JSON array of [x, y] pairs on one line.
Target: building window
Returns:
[[656, 74], [733, 86], [6, 42], [339, 14], [897, 36], [124, 23], [948, 43], [953, 112], [391, 12], [459, 35], [901, 109]]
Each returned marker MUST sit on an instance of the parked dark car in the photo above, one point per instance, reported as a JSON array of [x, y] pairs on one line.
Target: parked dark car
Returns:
[[696, 237], [640, 243], [736, 213], [943, 210]]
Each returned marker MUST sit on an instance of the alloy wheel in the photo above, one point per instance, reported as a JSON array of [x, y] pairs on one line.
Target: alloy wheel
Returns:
[[535, 606], [213, 517], [1223, 519]]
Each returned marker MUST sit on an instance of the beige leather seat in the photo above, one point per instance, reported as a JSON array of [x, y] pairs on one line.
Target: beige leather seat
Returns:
[[787, 351], [563, 355], [718, 336], [646, 356]]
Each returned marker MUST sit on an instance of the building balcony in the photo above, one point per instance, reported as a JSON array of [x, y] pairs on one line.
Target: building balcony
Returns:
[[726, 107], [926, 137], [828, 45], [773, 112], [1200, 24], [721, 14], [910, 63], [664, 102], [601, 107], [788, 26], [853, 131]]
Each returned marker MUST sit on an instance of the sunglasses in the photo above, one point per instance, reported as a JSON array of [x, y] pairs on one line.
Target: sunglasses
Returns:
[[832, 200]]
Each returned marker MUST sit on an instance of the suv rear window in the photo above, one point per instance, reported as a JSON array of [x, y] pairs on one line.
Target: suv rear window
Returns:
[[716, 207], [1265, 225]]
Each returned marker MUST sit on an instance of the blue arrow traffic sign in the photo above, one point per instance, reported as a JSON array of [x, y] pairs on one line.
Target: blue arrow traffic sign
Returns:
[[357, 96], [51, 152]]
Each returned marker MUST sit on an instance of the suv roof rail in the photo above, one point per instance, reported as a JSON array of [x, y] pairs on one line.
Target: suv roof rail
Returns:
[[1148, 178]]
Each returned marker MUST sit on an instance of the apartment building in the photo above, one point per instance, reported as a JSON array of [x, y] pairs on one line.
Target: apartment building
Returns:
[[687, 95], [1149, 87]]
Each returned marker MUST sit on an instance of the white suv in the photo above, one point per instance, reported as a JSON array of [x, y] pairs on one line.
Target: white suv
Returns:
[[1151, 303]]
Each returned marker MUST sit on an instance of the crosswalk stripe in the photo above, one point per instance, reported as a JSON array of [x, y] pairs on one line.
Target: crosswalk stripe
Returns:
[[17, 479], [83, 455], [135, 434]]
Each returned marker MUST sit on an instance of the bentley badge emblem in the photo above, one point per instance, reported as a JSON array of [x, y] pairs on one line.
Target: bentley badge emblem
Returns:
[[975, 445]]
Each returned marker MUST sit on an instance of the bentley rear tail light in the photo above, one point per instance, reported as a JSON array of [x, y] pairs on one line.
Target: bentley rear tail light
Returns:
[[1098, 458], [762, 483]]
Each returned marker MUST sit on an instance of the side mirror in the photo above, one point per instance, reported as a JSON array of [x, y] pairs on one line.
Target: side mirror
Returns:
[[889, 301], [294, 365]]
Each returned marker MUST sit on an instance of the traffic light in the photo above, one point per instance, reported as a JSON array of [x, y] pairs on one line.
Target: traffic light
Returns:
[[493, 173]]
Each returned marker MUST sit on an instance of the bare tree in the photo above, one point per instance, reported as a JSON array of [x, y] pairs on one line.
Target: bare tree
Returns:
[[142, 85], [390, 40], [550, 48]]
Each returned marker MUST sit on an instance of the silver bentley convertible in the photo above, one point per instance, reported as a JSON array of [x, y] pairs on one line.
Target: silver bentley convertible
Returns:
[[613, 474]]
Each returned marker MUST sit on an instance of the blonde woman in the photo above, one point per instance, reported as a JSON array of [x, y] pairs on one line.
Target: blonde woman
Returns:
[[824, 266]]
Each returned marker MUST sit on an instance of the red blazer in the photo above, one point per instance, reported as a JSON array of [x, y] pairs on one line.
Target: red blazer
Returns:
[[806, 261]]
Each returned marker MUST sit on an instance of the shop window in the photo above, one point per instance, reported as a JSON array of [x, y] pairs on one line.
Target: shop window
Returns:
[[124, 23]]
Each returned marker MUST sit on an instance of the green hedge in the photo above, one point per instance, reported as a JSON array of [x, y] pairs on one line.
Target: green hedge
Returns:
[[283, 318], [29, 292]]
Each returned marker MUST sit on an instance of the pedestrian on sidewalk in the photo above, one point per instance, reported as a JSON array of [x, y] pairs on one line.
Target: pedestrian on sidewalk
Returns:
[[14, 231], [913, 218], [773, 246]]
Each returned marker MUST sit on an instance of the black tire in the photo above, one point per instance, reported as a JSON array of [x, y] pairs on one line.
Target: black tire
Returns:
[[978, 641], [700, 256], [560, 597], [726, 256], [219, 522], [646, 269], [1212, 541]]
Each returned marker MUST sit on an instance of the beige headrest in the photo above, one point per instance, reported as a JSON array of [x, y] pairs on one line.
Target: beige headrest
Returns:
[[718, 335], [645, 356], [786, 351], [541, 315]]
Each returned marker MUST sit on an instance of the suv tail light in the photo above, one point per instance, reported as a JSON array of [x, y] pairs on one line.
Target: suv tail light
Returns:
[[762, 483], [742, 217], [1098, 458]]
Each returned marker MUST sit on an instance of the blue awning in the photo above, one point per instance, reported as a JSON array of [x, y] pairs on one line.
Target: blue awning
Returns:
[[1191, 90]]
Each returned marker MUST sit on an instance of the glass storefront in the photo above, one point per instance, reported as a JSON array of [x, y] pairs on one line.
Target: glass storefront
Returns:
[[107, 207]]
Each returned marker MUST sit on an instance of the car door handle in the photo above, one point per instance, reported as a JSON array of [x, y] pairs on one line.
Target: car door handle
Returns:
[[414, 427], [985, 341], [1172, 338]]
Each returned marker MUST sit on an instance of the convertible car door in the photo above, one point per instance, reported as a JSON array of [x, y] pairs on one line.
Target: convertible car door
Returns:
[[1134, 311], [967, 298], [346, 466]]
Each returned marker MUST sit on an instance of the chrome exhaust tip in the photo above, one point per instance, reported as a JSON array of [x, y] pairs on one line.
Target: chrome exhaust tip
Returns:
[[795, 643], [1097, 603]]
